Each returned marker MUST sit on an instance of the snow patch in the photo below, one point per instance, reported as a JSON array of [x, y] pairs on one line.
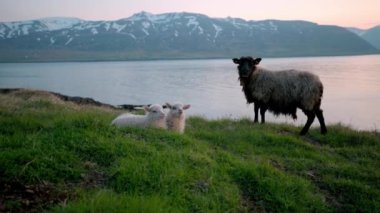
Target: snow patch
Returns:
[[237, 23], [260, 26], [10, 29], [192, 21], [88, 25], [52, 41], [118, 27], [145, 31], [107, 26], [94, 31], [145, 16], [155, 19], [10, 33], [57, 23], [2, 32], [140, 16], [146, 24], [10, 24], [68, 42], [25, 30], [273, 26], [201, 31], [133, 36], [218, 29]]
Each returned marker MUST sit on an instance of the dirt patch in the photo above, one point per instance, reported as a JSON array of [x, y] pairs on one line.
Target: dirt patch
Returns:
[[316, 178], [94, 177], [248, 204], [311, 141], [277, 165], [285, 132], [17, 197]]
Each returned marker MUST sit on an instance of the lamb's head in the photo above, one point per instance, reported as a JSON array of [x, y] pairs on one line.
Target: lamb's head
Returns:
[[154, 112], [178, 109], [246, 65]]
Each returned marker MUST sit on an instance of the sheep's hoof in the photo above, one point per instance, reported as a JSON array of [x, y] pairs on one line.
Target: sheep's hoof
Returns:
[[302, 133], [324, 131]]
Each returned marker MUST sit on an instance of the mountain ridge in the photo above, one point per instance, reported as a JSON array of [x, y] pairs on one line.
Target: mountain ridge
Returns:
[[172, 35], [371, 35]]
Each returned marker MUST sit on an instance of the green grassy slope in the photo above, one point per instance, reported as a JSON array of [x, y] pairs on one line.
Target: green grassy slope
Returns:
[[62, 157]]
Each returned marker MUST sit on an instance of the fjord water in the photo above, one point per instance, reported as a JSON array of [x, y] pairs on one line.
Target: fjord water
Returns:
[[351, 85]]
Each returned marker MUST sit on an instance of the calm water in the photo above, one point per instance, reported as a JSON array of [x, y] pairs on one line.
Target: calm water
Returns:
[[351, 95]]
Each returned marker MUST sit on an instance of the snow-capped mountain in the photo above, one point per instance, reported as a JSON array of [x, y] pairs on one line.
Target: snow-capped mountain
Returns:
[[171, 35], [60, 23], [15, 29]]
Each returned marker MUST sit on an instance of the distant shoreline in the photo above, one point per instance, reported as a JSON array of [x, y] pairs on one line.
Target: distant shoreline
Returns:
[[75, 99], [178, 59]]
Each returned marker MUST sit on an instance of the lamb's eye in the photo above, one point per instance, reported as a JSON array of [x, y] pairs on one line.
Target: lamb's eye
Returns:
[[154, 111], [175, 108]]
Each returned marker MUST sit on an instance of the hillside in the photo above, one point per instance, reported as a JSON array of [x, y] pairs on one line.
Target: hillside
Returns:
[[371, 35], [171, 35], [62, 156]]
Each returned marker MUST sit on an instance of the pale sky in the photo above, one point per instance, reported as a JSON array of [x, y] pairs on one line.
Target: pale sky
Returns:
[[347, 13]]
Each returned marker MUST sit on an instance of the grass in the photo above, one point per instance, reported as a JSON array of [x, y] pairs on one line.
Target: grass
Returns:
[[57, 156]]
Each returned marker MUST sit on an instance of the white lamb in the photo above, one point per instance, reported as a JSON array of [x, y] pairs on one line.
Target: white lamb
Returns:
[[154, 117], [176, 118]]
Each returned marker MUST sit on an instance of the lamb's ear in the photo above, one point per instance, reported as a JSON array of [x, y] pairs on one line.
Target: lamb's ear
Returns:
[[146, 108], [257, 61], [187, 106], [236, 61], [168, 106]]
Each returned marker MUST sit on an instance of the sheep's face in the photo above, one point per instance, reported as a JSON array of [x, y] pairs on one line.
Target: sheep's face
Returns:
[[155, 111], [178, 109], [246, 65]]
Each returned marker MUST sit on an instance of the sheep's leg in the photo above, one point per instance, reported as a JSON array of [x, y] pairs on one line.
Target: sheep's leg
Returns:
[[321, 120], [310, 118], [256, 105], [263, 109]]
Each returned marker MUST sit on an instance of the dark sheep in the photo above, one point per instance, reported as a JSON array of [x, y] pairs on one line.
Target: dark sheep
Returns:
[[281, 92]]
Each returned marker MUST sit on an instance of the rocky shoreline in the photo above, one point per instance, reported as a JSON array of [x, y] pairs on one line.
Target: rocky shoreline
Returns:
[[76, 99]]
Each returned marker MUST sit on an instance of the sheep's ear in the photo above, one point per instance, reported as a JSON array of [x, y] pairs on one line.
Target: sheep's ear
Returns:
[[257, 60], [236, 61], [146, 108], [168, 105], [187, 106]]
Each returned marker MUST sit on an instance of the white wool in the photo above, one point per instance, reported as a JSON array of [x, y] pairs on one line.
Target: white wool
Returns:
[[176, 117], [154, 117]]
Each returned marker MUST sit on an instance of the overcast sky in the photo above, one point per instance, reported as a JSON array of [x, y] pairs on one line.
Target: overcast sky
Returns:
[[356, 13]]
